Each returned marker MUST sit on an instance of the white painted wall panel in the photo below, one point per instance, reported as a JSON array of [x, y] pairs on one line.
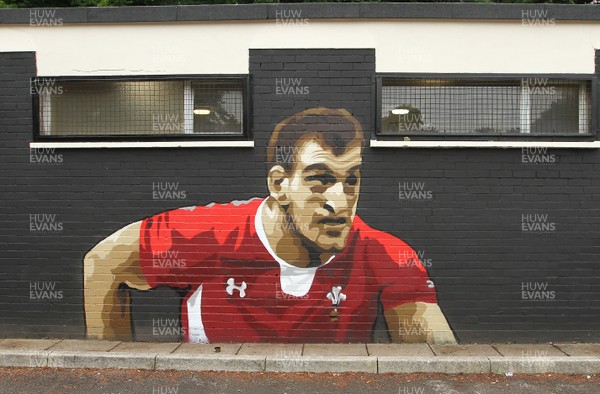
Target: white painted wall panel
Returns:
[[222, 47]]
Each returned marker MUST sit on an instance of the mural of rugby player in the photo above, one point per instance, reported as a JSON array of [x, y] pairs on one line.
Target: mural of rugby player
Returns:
[[296, 266]]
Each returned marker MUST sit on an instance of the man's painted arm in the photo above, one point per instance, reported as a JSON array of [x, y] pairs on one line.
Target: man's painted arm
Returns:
[[110, 268], [418, 322]]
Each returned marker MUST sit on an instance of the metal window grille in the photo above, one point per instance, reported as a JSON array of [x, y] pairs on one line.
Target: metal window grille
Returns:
[[534, 106], [140, 108], [218, 107]]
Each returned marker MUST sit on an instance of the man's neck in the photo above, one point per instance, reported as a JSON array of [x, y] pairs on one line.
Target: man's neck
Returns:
[[284, 240]]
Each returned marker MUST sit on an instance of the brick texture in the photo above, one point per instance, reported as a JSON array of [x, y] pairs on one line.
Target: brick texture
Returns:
[[469, 232]]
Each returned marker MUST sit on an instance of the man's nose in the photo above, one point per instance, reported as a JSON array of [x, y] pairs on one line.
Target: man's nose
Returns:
[[335, 199]]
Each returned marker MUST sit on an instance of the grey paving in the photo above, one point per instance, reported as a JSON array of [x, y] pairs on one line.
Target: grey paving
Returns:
[[574, 349], [128, 360], [463, 350], [397, 349], [449, 365], [28, 344], [323, 364], [253, 357], [267, 349], [92, 345], [534, 365], [184, 362], [23, 358], [145, 347], [318, 349], [227, 349], [525, 350]]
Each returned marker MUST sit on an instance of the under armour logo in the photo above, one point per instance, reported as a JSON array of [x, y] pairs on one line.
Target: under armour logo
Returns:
[[231, 287], [336, 296], [430, 284]]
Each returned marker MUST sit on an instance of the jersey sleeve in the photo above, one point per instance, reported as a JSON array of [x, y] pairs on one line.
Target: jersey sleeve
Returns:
[[178, 248], [402, 277]]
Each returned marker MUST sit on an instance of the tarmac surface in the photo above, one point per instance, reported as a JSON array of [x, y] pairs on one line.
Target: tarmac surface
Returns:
[[564, 358], [125, 381]]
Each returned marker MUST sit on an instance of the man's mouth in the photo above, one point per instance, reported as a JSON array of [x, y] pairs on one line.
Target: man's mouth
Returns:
[[333, 221], [333, 227]]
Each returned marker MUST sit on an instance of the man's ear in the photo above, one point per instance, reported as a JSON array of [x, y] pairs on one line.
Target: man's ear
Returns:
[[278, 182]]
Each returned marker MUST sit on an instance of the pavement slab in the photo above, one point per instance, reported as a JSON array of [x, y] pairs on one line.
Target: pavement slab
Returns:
[[81, 345], [399, 349], [463, 350], [145, 347], [269, 349], [528, 350], [28, 344], [332, 349], [573, 349], [225, 349]]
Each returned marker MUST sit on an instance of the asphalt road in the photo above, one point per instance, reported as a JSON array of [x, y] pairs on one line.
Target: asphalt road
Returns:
[[107, 381]]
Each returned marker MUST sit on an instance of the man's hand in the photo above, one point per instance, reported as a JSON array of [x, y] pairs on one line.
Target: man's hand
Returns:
[[110, 269], [419, 322]]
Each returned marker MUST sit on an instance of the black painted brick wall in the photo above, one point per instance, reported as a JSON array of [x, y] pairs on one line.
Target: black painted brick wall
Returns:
[[469, 232]]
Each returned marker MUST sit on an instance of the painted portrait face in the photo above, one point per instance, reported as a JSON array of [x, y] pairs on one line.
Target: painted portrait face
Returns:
[[323, 194]]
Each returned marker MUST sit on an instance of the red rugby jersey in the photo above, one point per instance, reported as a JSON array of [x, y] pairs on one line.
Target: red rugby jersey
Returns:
[[241, 292]]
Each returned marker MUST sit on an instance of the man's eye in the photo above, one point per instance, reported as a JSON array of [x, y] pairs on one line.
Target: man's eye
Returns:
[[352, 180], [323, 179]]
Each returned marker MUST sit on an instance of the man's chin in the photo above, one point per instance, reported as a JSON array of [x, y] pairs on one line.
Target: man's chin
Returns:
[[331, 245]]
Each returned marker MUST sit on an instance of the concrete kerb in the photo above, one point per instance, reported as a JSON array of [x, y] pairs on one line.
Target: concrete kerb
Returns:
[[258, 363], [448, 365], [366, 364], [121, 360], [549, 364], [201, 362], [23, 358]]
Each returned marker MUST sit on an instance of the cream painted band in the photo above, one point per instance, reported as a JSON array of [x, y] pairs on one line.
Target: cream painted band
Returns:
[[411, 46]]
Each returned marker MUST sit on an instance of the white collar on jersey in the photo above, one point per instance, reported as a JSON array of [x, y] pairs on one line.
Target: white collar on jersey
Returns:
[[294, 280]]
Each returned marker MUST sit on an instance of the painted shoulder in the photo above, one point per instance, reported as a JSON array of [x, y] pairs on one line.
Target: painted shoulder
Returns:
[[214, 206], [369, 235], [384, 247]]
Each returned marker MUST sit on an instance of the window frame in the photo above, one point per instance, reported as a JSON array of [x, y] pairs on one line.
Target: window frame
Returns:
[[246, 110], [592, 79]]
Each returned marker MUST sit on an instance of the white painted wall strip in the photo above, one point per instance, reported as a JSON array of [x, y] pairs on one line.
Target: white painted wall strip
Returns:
[[486, 144], [373, 144], [434, 46], [145, 144]]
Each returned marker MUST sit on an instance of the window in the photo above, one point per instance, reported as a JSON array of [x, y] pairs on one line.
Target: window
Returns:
[[106, 108], [484, 107]]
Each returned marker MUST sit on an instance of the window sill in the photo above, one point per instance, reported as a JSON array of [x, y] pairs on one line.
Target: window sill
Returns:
[[144, 144], [486, 144]]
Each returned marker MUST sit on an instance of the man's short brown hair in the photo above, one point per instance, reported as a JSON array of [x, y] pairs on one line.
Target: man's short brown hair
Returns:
[[333, 128]]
